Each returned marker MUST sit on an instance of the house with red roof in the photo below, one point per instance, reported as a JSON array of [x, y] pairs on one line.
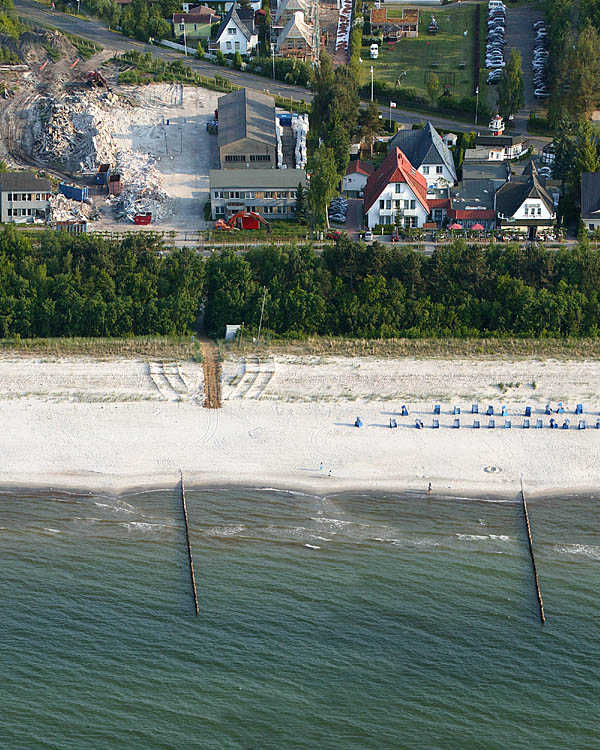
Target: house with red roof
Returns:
[[355, 179], [396, 190]]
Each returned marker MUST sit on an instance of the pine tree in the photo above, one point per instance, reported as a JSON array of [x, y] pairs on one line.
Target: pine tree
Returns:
[[301, 207], [511, 96]]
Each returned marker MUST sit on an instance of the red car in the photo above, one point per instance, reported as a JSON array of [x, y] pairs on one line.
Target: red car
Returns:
[[333, 235]]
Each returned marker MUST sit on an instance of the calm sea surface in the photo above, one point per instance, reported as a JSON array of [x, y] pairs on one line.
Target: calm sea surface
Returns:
[[348, 622]]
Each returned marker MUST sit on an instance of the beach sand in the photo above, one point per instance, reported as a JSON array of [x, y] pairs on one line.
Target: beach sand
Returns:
[[111, 425]]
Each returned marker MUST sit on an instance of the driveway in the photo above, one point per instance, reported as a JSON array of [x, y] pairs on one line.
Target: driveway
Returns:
[[354, 218]]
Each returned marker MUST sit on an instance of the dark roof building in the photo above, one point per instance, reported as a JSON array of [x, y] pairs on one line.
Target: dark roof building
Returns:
[[590, 199], [425, 148], [498, 171], [27, 181], [247, 130], [524, 202], [243, 19]]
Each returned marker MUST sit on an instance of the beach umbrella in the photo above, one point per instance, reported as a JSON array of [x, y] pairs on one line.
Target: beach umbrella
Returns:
[[455, 226], [477, 227]]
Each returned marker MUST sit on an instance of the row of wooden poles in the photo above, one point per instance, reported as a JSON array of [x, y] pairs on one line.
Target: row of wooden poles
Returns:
[[525, 515], [536, 579]]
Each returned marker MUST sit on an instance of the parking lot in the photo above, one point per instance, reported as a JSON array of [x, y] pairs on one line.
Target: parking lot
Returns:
[[520, 35]]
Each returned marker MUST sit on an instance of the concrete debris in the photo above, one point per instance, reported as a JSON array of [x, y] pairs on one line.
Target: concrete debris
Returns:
[[65, 209], [77, 132], [142, 189]]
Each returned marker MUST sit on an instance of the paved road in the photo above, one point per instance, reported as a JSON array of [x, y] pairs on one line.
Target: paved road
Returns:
[[98, 32]]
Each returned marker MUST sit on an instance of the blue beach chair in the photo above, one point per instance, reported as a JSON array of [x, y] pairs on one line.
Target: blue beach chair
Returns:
[[456, 410], [393, 423], [436, 409], [475, 424], [548, 410], [456, 424], [436, 424], [504, 411], [528, 411], [561, 408], [490, 411], [553, 424], [579, 409], [539, 424], [525, 424], [492, 424], [507, 424], [358, 422], [566, 424], [581, 425], [475, 409], [419, 424], [598, 424], [404, 411]]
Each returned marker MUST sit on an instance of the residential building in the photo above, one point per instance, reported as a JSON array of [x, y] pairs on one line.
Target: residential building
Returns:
[[269, 192], [499, 147], [395, 28], [426, 151], [24, 198], [236, 33], [524, 204], [286, 9], [355, 179], [498, 172], [297, 39], [396, 191], [195, 24], [590, 199], [247, 135]]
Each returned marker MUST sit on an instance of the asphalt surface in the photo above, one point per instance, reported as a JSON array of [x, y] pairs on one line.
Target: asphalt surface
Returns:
[[98, 32]]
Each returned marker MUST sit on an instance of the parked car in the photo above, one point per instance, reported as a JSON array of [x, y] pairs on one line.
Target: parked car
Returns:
[[333, 235], [541, 93], [368, 236]]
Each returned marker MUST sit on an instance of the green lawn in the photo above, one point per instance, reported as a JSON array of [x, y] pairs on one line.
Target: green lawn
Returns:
[[442, 53]]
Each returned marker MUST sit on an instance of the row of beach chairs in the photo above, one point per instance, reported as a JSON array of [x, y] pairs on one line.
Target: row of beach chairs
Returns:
[[539, 424], [503, 410]]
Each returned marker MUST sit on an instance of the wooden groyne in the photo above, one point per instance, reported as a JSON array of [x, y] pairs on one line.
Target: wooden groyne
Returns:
[[189, 544], [532, 555]]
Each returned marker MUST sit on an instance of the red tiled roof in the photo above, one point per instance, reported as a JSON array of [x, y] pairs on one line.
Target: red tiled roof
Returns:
[[202, 14], [439, 202], [362, 167], [471, 213], [395, 168]]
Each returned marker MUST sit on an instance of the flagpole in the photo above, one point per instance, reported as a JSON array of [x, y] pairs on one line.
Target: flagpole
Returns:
[[390, 114]]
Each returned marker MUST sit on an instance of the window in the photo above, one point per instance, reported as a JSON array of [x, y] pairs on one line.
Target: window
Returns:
[[38, 196], [250, 194], [235, 157], [388, 205], [10, 214], [231, 30], [28, 212], [259, 194], [181, 27], [539, 210], [237, 45], [269, 209], [406, 204], [260, 157], [591, 226], [10, 196], [228, 45], [398, 187], [195, 27], [381, 204], [439, 169], [425, 170], [526, 210], [397, 204], [219, 210], [217, 193], [413, 204]]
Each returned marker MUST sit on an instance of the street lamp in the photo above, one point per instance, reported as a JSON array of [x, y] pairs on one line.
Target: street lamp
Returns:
[[371, 83], [476, 103]]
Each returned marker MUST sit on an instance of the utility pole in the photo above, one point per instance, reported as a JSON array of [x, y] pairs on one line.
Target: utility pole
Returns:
[[262, 311], [273, 52], [371, 83], [476, 104], [184, 40]]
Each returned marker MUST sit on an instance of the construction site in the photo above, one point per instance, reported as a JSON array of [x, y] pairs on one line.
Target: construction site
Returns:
[[123, 156]]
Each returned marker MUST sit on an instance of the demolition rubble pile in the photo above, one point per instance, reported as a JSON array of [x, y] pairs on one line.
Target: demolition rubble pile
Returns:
[[65, 209], [142, 190], [77, 132]]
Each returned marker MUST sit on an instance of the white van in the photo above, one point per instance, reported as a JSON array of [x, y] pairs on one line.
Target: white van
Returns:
[[374, 51], [493, 4]]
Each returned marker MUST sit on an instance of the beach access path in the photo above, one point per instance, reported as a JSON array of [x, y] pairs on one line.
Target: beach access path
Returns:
[[114, 424]]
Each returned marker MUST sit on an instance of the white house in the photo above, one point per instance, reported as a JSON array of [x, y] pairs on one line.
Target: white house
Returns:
[[236, 33], [428, 153], [396, 191], [355, 179], [590, 200], [524, 204]]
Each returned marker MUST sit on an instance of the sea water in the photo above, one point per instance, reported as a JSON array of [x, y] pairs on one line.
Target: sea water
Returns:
[[353, 621]]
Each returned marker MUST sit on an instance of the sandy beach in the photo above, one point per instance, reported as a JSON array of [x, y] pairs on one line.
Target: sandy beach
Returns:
[[110, 425]]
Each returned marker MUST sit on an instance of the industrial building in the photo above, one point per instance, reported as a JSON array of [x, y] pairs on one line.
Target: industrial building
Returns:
[[269, 192], [247, 136]]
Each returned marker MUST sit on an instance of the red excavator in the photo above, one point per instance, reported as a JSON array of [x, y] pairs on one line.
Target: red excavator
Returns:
[[95, 78], [243, 220]]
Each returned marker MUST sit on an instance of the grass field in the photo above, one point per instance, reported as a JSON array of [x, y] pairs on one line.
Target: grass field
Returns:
[[442, 53]]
